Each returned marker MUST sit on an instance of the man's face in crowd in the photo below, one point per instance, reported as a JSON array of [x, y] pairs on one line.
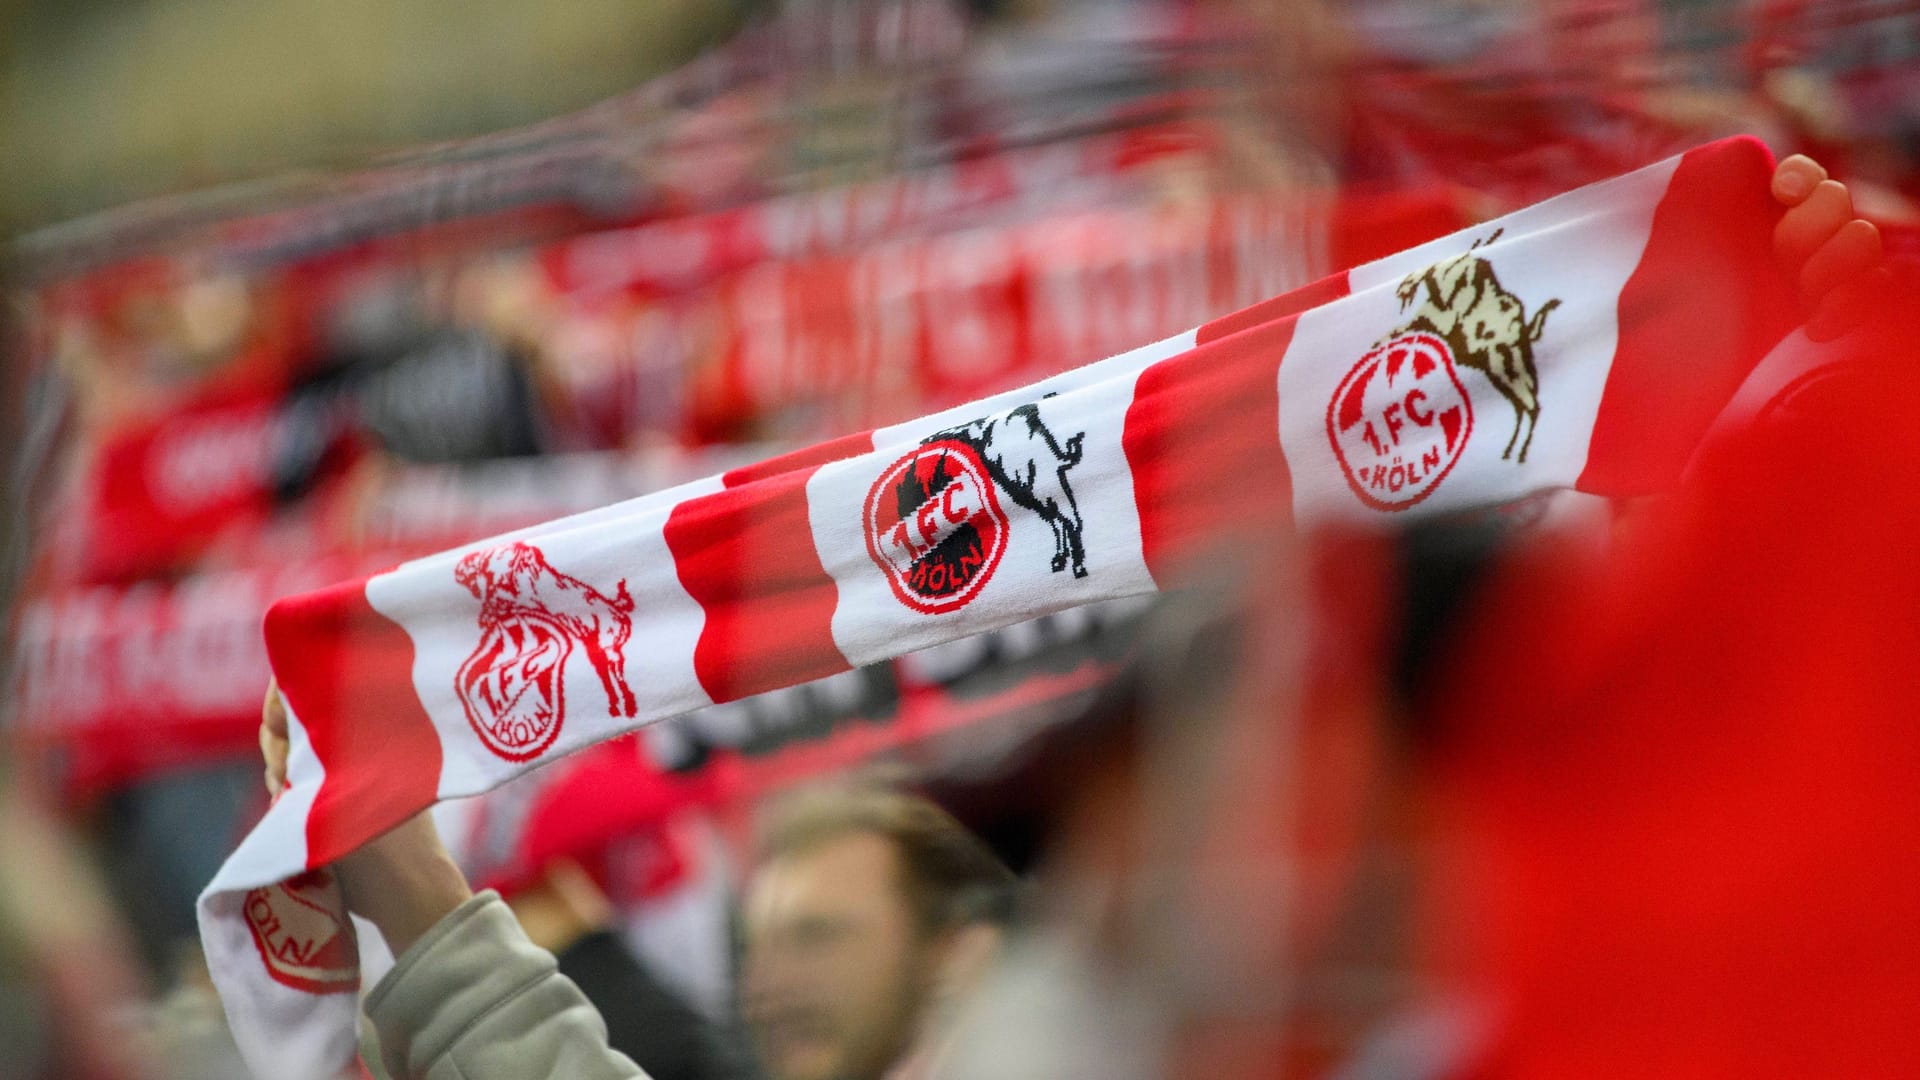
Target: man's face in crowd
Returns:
[[836, 968]]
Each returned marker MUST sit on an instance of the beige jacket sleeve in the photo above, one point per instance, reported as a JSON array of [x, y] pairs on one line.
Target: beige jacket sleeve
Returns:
[[475, 1000]]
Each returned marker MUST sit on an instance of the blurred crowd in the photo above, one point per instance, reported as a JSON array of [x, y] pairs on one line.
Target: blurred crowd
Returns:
[[1565, 788]]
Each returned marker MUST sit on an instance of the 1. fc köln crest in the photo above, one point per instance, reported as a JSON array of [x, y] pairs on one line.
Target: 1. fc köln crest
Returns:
[[303, 938], [1402, 417], [532, 619], [934, 522]]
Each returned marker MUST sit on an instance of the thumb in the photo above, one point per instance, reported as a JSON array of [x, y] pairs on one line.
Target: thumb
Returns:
[[273, 739]]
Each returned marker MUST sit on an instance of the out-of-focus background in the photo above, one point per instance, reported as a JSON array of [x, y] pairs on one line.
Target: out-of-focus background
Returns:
[[295, 291]]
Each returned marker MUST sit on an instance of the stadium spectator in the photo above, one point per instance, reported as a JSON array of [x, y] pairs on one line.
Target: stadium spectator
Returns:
[[871, 912]]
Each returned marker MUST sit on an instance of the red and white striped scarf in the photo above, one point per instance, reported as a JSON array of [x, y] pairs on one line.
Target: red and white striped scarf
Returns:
[[1585, 342]]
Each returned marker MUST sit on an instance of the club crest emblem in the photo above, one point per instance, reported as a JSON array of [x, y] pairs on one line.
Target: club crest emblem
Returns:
[[303, 936], [934, 520], [532, 619], [1400, 420], [1401, 417]]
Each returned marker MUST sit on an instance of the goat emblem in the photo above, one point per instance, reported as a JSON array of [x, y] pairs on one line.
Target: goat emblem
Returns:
[[1402, 417], [1485, 327], [531, 618], [934, 521]]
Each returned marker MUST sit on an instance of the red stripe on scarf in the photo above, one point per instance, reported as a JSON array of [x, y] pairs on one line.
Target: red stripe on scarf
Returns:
[[806, 457], [1202, 437], [746, 555], [351, 670], [1325, 291], [1694, 318]]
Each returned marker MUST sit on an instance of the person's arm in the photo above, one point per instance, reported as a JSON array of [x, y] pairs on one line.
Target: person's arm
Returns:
[[469, 997], [473, 999]]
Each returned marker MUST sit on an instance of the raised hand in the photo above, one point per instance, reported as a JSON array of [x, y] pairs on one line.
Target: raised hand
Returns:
[[273, 739], [402, 881], [1835, 256]]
